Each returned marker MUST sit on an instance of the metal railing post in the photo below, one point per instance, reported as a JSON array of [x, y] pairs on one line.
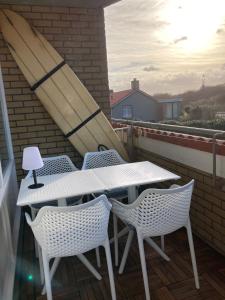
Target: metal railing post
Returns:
[[130, 142], [214, 150]]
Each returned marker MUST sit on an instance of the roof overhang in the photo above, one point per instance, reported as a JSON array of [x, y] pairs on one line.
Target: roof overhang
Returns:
[[69, 3]]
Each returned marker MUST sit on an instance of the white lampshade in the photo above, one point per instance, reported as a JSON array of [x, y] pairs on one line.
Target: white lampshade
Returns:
[[32, 159]]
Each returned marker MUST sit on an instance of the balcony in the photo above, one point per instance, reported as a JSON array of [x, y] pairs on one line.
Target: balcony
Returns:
[[189, 156], [190, 153]]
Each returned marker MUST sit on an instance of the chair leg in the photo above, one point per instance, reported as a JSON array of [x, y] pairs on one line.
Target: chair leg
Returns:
[[163, 243], [126, 251], [110, 269], [122, 232], [157, 248], [98, 259], [33, 215], [143, 265], [40, 263], [52, 272], [89, 266], [47, 276], [192, 251], [115, 229]]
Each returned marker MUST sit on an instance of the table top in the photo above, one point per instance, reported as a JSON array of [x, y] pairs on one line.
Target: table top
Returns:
[[82, 182], [132, 174]]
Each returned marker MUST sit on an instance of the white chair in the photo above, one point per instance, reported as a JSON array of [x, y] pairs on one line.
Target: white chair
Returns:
[[74, 230], [105, 158], [53, 165], [156, 213], [100, 159]]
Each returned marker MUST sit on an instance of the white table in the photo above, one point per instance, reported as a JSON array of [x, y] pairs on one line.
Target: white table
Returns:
[[78, 183]]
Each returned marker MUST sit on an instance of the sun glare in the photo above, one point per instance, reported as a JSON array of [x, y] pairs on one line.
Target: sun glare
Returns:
[[192, 24]]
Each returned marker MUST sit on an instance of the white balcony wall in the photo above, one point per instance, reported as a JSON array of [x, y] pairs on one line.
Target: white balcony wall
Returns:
[[194, 158]]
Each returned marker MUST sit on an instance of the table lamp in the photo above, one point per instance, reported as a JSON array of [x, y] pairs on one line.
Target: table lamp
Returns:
[[32, 161]]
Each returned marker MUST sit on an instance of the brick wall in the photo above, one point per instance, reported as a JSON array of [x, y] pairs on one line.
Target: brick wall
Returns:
[[208, 203], [78, 35]]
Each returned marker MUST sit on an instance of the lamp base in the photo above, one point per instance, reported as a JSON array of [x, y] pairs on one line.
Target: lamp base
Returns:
[[36, 186]]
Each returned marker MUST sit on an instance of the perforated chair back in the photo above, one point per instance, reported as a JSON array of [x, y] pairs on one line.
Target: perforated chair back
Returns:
[[102, 159], [67, 231], [55, 165], [158, 212]]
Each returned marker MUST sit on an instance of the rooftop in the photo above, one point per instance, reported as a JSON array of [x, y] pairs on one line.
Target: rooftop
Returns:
[[117, 97]]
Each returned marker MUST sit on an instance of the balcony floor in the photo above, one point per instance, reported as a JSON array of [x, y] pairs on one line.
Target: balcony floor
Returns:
[[168, 280]]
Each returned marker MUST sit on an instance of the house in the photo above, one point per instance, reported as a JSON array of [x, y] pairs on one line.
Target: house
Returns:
[[170, 108], [135, 104]]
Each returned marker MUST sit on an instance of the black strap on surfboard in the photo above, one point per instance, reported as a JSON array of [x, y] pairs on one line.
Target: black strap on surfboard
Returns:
[[83, 123], [49, 74], [102, 147]]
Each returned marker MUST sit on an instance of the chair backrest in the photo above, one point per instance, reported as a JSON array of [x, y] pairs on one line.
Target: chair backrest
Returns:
[[102, 159], [55, 165], [67, 231], [160, 211]]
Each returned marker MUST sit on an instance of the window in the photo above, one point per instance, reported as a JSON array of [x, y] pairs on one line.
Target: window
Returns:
[[175, 110], [171, 111], [127, 112], [3, 145], [5, 137], [168, 111]]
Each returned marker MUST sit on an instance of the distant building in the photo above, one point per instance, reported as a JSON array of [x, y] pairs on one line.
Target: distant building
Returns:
[[170, 108], [220, 115], [134, 104]]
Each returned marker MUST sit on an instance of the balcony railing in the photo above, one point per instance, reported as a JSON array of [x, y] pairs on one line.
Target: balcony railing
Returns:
[[191, 153]]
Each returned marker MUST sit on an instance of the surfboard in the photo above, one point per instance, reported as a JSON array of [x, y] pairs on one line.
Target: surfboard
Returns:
[[60, 91]]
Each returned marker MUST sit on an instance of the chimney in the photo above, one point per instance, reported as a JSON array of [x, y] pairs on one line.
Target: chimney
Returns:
[[135, 84]]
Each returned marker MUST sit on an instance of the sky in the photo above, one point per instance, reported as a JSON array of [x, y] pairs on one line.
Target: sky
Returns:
[[168, 45]]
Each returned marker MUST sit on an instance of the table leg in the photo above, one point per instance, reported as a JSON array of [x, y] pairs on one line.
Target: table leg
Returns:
[[132, 194], [62, 202]]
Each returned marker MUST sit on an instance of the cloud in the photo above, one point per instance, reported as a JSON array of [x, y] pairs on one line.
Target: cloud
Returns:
[[181, 39], [150, 69], [137, 46]]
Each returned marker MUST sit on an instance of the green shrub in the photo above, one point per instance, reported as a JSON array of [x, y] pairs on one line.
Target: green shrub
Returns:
[[218, 124]]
